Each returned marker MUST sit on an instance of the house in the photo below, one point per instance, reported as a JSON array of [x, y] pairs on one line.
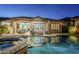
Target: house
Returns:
[[76, 22], [56, 26], [37, 25], [33, 26]]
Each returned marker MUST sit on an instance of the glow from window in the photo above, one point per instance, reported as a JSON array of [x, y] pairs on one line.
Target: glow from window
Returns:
[[39, 26]]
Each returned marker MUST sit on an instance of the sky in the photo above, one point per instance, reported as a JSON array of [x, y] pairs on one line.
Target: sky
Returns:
[[55, 11]]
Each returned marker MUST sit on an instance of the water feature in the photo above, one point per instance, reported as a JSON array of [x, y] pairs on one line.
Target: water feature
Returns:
[[67, 45], [7, 42], [4, 46], [62, 45]]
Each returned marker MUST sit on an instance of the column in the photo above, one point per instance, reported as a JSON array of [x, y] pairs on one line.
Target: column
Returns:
[[14, 28]]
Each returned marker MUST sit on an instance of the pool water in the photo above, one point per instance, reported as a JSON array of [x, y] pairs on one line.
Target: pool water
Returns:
[[54, 49], [4, 46]]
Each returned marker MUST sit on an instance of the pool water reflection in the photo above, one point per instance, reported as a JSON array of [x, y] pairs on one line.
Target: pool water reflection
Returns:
[[66, 45], [53, 49]]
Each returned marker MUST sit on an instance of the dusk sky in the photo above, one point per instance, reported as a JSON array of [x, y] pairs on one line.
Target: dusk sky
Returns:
[[50, 11]]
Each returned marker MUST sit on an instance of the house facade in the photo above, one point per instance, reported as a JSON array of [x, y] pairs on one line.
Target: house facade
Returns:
[[34, 26], [38, 26]]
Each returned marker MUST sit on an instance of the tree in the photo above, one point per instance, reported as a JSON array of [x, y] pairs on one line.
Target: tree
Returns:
[[4, 29], [72, 39], [72, 29]]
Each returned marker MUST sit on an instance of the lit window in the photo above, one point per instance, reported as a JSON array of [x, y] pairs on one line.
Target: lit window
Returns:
[[54, 26], [38, 26], [6, 23], [24, 26]]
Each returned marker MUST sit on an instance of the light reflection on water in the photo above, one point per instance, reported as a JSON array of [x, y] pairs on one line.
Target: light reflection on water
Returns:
[[67, 45], [50, 49]]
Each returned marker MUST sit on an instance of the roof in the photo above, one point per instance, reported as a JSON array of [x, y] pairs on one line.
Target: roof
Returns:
[[4, 18], [63, 19], [66, 19], [76, 17], [23, 17], [7, 18]]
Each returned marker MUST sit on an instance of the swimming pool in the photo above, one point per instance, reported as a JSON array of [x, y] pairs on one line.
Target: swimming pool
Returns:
[[54, 49], [4, 46]]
